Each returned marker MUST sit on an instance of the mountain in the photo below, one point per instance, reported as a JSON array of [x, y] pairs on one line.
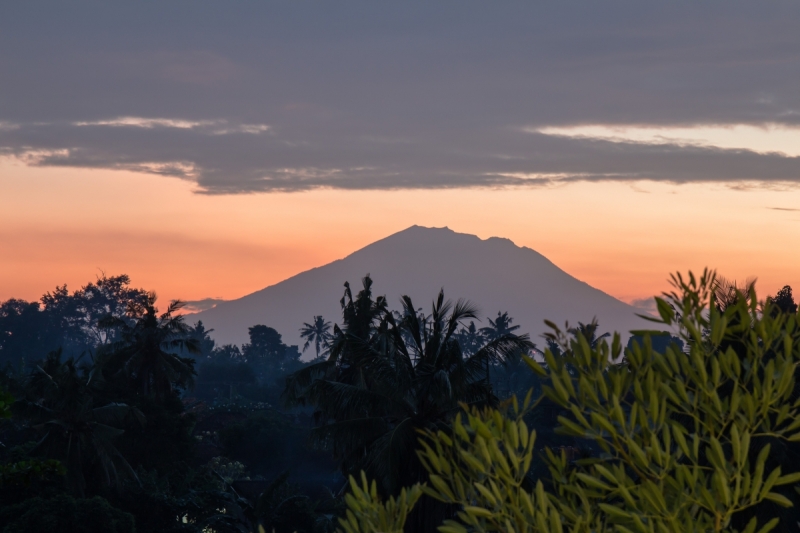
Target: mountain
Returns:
[[495, 274]]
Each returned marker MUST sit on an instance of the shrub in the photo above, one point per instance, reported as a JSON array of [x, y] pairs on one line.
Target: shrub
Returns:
[[685, 436], [65, 515]]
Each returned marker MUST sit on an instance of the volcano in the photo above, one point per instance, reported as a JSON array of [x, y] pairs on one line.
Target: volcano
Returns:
[[495, 274]]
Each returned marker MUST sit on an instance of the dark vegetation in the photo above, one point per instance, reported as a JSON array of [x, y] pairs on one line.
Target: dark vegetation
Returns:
[[116, 416]]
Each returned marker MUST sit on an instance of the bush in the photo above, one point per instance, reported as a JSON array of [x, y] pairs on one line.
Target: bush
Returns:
[[685, 436], [65, 514], [164, 442], [265, 441]]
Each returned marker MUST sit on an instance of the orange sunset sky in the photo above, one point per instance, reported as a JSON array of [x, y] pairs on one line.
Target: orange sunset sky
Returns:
[[209, 151], [66, 225]]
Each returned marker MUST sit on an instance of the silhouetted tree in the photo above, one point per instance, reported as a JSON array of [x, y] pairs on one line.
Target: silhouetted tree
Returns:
[[24, 332], [205, 344], [376, 391], [727, 292], [147, 353], [470, 338], [60, 403], [659, 342], [499, 327], [71, 322], [228, 352], [81, 315], [589, 332], [266, 346], [318, 333], [784, 301]]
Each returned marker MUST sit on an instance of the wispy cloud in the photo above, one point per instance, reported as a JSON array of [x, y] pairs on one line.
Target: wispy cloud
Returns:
[[33, 157], [767, 138], [783, 208], [253, 129], [147, 123], [178, 169], [214, 127], [195, 306], [645, 305], [549, 177]]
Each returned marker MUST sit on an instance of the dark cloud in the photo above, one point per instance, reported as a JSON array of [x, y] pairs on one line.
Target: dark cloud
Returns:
[[360, 95]]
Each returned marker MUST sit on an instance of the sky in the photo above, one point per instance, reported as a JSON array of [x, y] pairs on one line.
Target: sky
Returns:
[[210, 149]]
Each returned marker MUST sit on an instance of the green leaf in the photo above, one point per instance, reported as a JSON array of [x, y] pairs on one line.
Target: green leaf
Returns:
[[533, 365], [592, 481], [477, 511], [751, 526], [789, 479], [614, 511], [665, 310], [780, 499], [769, 526]]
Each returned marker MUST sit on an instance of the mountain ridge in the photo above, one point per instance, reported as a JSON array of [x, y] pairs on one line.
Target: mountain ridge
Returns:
[[493, 273]]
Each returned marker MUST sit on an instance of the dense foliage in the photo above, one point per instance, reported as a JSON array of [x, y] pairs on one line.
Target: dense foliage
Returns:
[[103, 428], [388, 377], [692, 440], [115, 416]]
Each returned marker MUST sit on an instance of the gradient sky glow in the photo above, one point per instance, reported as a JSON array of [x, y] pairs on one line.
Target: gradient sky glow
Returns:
[[63, 225], [209, 150]]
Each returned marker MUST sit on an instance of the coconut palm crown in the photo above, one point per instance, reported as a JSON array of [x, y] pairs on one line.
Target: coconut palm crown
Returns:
[[318, 333], [148, 354]]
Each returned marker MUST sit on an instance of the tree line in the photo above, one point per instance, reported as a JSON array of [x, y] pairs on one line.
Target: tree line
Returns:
[[121, 417]]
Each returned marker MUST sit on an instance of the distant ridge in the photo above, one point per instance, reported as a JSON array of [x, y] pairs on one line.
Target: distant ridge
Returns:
[[495, 274]]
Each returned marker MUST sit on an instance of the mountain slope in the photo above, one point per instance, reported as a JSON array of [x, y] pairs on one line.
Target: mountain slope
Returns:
[[494, 273]]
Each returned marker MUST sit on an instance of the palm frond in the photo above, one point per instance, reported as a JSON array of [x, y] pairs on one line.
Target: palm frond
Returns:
[[116, 412], [298, 383], [341, 401]]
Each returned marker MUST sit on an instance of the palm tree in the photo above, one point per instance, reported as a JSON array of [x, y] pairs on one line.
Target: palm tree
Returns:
[[317, 333], [470, 338], [499, 326], [558, 341], [589, 332], [147, 354], [727, 292], [377, 389], [60, 404]]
